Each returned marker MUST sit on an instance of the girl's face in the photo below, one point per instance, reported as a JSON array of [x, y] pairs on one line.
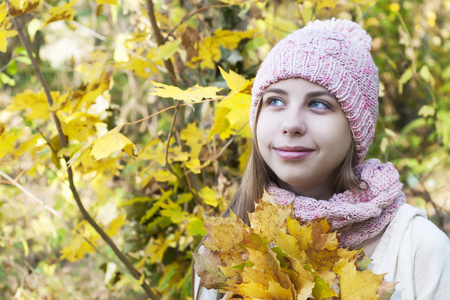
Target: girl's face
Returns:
[[303, 136]]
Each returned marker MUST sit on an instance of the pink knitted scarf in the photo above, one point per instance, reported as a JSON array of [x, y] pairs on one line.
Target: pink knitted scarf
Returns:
[[356, 215]]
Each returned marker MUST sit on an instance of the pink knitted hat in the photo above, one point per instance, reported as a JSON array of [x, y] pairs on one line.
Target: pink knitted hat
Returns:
[[336, 55]]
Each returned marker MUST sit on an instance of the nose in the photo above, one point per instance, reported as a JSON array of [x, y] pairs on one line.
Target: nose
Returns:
[[294, 124]]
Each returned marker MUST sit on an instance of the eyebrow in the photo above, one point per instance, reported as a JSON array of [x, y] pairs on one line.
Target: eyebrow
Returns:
[[310, 94]]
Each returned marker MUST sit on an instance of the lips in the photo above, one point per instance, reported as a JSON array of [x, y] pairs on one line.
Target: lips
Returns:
[[293, 153]]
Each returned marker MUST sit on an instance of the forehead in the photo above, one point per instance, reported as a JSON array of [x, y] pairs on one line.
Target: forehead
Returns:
[[295, 85]]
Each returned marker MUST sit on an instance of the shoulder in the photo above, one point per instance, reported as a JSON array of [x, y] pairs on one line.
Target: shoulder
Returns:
[[413, 227], [424, 233], [415, 253], [411, 239]]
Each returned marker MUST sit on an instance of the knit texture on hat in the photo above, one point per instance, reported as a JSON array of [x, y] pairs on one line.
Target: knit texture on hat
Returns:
[[356, 215], [334, 54]]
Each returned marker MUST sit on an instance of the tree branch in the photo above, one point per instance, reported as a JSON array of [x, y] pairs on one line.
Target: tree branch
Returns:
[[136, 274], [160, 40]]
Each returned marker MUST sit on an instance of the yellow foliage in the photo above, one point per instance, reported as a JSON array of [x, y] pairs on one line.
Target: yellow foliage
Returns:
[[7, 140], [239, 2], [236, 82], [231, 115], [195, 139], [79, 246], [155, 151], [5, 28], [62, 12], [261, 262], [209, 49], [209, 196], [110, 142], [164, 176], [84, 232], [35, 104], [94, 68], [165, 51], [31, 145], [111, 2], [19, 7], [192, 94], [142, 66], [359, 284], [80, 126]]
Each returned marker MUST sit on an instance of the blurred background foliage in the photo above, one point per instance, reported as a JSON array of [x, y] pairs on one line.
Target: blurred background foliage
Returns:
[[99, 59]]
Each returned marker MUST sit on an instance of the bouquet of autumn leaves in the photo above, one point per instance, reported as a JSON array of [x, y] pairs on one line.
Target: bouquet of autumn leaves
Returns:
[[279, 258]]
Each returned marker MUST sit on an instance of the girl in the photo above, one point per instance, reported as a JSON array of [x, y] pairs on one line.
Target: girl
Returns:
[[313, 111]]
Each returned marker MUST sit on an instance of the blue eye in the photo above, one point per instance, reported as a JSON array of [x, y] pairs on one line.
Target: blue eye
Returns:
[[319, 104], [274, 101]]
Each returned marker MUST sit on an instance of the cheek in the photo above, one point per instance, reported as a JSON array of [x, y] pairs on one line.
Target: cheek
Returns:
[[262, 130], [336, 135]]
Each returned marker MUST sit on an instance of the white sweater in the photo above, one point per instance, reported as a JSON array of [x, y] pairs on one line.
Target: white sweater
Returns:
[[416, 254], [412, 251]]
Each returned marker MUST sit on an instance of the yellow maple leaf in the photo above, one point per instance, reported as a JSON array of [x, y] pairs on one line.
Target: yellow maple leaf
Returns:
[[327, 4], [359, 284], [114, 226], [62, 12], [5, 28], [166, 51], [270, 227], [86, 96], [35, 104], [209, 50], [192, 94], [80, 126], [110, 142], [110, 2], [142, 66], [7, 140], [224, 233], [164, 176], [155, 150], [175, 213], [231, 115], [194, 138], [258, 261], [234, 81], [79, 246], [239, 2], [33, 146], [19, 7], [94, 68], [209, 196], [105, 165]]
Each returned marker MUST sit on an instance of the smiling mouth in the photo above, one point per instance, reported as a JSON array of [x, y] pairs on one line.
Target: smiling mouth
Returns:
[[293, 153]]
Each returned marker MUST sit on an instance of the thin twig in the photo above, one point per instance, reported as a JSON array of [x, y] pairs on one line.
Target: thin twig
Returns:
[[34, 198], [170, 70], [170, 107], [160, 41], [230, 141], [14, 182], [194, 13], [166, 151]]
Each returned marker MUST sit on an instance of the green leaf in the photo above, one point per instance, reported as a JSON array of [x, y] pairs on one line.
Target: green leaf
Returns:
[[426, 111], [404, 79], [195, 227]]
